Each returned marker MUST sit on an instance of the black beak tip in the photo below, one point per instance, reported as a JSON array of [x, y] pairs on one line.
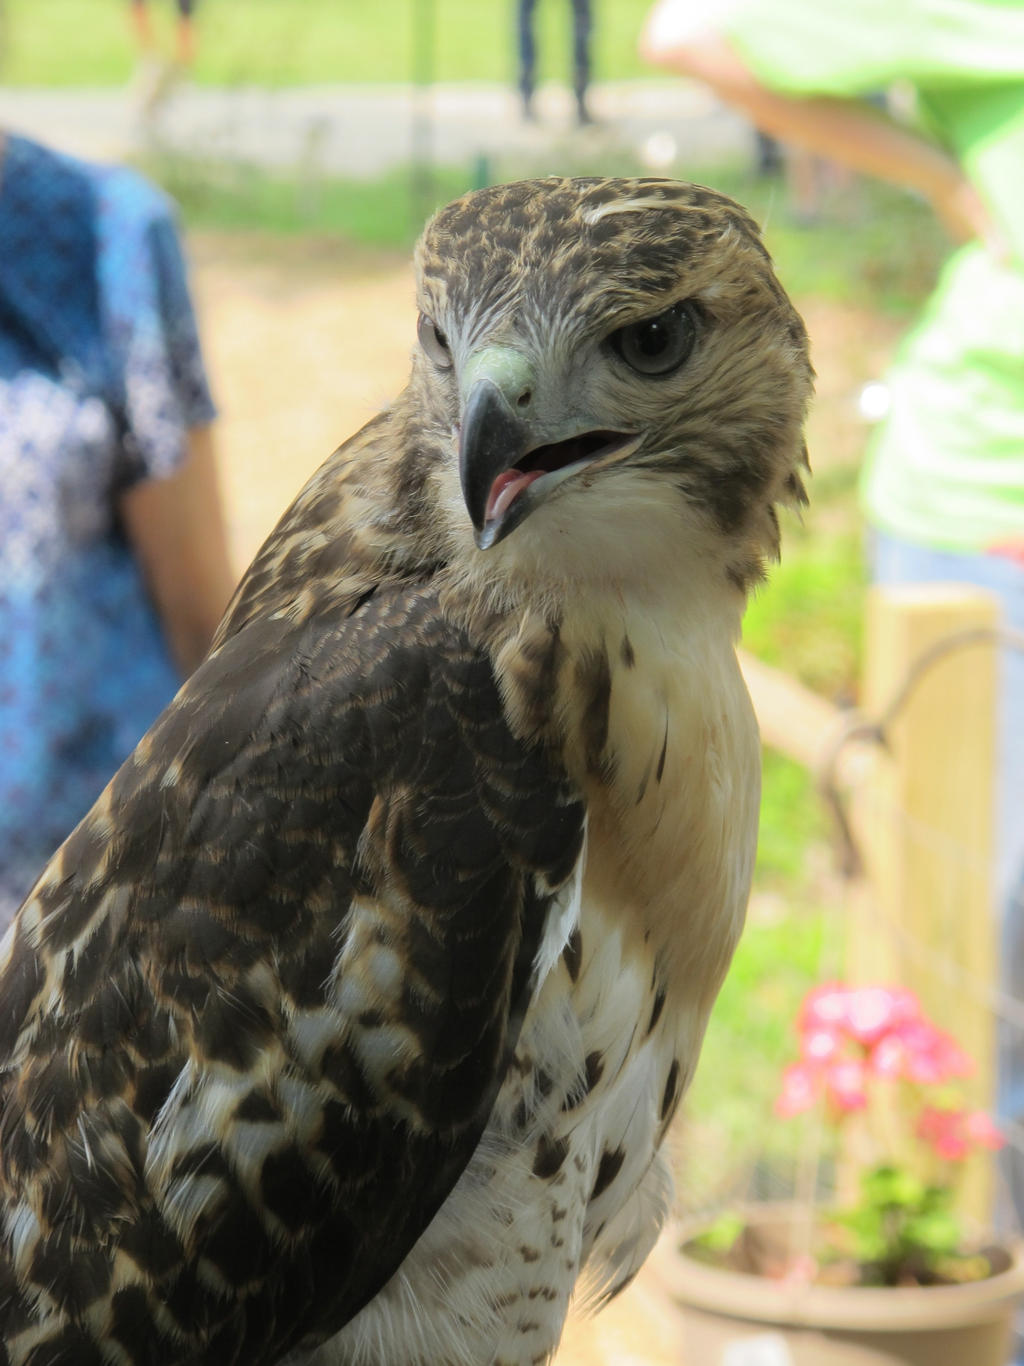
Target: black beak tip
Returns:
[[495, 531], [489, 535], [492, 440]]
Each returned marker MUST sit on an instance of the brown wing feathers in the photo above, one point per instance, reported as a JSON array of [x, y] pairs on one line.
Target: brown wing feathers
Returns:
[[276, 976]]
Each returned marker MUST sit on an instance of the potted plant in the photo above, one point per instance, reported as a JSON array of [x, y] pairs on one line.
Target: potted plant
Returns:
[[888, 1273]]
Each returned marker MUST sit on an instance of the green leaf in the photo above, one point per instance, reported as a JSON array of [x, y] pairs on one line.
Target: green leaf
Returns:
[[893, 1188], [936, 1233], [720, 1236]]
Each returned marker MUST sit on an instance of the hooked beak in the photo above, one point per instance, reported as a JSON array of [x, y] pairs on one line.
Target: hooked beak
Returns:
[[506, 471]]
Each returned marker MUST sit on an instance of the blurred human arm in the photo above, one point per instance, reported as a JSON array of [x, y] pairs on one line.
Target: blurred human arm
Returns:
[[176, 527], [846, 130]]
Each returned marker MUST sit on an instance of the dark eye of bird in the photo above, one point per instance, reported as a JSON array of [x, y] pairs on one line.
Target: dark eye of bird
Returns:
[[434, 342], [657, 346]]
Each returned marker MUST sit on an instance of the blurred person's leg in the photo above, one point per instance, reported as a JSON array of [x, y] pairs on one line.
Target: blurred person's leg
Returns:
[[803, 185], [581, 30], [142, 26], [767, 154], [185, 33], [157, 77], [151, 75], [527, 56]]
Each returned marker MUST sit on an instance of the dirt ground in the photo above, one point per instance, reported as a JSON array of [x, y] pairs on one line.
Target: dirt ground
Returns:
[[305, 341]]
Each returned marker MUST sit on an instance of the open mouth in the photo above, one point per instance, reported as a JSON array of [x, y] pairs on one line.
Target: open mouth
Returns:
[[560, 458]]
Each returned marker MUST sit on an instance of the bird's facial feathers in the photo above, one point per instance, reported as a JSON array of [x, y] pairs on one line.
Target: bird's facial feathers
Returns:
[[628, 332]]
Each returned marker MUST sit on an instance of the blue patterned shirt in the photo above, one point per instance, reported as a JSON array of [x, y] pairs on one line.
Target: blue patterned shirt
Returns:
[[101, 376]]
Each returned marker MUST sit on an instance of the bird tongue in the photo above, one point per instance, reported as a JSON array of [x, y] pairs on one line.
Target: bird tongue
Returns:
[[506, 489]]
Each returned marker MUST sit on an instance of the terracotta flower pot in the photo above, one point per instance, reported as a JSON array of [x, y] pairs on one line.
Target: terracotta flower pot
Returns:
[[735, 1319]]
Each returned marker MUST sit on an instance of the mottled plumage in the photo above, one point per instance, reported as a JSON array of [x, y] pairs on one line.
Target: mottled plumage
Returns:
[[348, 1024]]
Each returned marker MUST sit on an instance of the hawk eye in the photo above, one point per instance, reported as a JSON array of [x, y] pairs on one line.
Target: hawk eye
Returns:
[[434, 342], [657, 346]]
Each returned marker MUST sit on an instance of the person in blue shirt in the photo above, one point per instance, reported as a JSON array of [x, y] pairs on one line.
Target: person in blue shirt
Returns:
[[113, 559]]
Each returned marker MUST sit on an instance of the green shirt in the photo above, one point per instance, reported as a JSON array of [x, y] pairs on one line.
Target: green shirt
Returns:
[[946, 468]]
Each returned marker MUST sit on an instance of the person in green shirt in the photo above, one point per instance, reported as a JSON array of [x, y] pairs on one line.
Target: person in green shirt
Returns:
[[943, 482]]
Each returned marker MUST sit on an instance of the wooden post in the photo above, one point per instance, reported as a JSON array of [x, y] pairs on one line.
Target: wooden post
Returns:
[[925, 825]]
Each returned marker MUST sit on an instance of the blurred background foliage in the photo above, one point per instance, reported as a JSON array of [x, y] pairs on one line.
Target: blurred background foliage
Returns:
[[310, 42]]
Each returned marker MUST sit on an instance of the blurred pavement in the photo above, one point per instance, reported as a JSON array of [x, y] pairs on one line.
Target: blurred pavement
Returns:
[[362, 131]]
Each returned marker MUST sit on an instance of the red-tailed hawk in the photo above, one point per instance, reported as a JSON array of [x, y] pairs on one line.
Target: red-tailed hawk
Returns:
[[348, 1024]]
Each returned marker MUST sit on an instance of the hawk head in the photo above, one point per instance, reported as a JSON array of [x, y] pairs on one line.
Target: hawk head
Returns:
[[610, 355]]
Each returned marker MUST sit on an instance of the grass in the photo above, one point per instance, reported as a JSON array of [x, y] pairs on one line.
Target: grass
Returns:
[[387, 212], [792, 822], [807, 618], [304, 42], [873, 244], [729, 1143]]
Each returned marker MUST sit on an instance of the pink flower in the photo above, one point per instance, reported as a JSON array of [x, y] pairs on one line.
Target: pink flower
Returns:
[[854, 1039], [931, 1055], [956, 1062], [824, 1007], [888, 1058], [819, 1045], [982, 1132], [799, 1090], [866, 1014], [951, 1146], [953, 1133], [872, 1012], [844, 1082], [943, 1130]]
